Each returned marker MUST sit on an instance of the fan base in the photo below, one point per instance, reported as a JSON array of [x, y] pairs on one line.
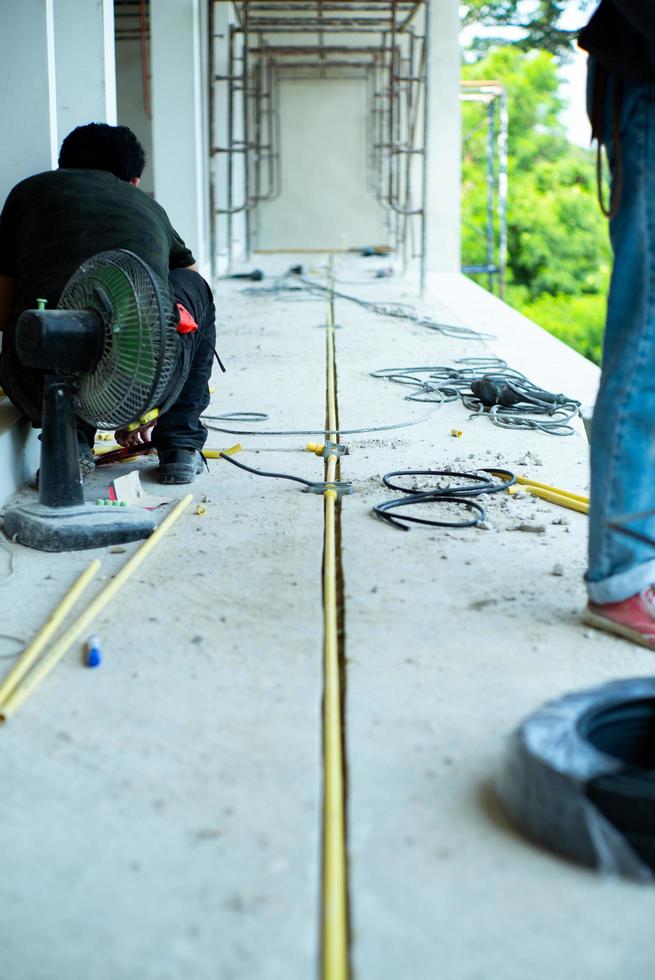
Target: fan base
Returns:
[[76, 528]]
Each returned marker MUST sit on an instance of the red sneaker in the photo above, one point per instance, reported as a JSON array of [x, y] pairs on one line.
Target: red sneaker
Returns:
[[634, 618]]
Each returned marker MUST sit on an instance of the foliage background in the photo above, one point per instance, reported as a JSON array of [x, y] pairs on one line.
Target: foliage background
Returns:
[[559, 253]]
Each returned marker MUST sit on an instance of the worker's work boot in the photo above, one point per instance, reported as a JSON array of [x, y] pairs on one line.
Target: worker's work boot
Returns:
[[179, 465], [634, 618]]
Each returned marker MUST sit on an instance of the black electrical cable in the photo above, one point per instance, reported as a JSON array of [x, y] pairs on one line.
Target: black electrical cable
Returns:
[[207, 341], [482, 484], [275, 476], [381, 511], [450, 494]]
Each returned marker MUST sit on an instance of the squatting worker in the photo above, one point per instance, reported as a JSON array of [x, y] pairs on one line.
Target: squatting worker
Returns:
[[620, 39], [53, 222]]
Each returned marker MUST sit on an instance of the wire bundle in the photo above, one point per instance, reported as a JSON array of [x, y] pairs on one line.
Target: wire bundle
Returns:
[[295, 282], [488, 386], [260, 416], [478, 483]]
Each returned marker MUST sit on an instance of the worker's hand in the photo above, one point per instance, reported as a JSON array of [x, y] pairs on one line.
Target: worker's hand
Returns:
[[138, 437]]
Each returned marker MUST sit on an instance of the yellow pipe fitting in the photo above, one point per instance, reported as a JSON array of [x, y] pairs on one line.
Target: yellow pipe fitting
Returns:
[[144, 420]]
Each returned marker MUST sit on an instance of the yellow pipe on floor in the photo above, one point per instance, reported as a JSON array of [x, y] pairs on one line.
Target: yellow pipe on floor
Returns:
[[569, 500], [49, 628], [82, 623], [526, 482], [334, 925]]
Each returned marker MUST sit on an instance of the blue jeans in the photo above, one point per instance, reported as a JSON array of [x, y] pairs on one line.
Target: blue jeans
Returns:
[[623, 429]]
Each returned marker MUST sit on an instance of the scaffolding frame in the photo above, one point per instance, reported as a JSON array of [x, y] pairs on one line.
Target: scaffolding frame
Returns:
[[493, 95], [383, 42]]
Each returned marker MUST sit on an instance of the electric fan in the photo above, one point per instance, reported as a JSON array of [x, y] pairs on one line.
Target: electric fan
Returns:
[[110, 353]]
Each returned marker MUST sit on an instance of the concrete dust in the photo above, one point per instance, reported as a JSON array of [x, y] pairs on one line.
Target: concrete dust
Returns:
[[176, 792]]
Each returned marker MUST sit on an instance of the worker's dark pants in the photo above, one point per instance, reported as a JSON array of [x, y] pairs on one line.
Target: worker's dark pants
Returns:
[[179, 427]]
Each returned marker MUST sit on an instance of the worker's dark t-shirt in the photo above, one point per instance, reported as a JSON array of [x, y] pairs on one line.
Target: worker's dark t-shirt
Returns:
[[53, 222]]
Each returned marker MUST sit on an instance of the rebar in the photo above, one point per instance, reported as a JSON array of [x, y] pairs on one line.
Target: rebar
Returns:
[[385, 46]]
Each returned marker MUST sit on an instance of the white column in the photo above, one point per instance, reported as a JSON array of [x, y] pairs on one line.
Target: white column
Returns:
[[443, 138], [85, 59], [28, 106], [222, 20], [179, 139]]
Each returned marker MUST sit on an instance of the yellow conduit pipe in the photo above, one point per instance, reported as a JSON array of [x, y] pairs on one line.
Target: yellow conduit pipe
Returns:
[[32, 651], [562, 500], [554, 495], [526, 482], [334, 927], [82, 623]]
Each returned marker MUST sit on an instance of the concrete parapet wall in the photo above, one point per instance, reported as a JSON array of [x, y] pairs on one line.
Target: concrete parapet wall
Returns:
[[19, 450]]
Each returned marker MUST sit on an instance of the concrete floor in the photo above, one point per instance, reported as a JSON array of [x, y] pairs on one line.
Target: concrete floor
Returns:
[[161, 815]]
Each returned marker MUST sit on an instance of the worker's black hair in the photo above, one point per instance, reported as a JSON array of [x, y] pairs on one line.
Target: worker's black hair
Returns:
[[98, 146]]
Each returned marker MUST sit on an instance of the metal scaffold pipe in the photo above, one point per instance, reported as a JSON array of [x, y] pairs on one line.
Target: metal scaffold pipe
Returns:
[[383, 44]]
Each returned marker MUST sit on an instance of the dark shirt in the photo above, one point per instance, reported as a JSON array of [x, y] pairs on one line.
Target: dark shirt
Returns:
[[621, 36], [54, 221]]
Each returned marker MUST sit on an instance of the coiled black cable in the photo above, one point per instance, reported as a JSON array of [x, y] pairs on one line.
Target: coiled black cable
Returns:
[[493, 481]]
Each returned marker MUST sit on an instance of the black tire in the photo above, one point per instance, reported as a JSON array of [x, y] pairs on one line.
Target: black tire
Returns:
[[580, 777]]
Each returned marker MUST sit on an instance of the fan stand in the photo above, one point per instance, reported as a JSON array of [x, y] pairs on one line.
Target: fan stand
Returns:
[[61, 520]]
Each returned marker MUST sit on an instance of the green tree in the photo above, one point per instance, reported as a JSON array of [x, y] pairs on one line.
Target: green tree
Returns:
[[536, 24], [558, 241]]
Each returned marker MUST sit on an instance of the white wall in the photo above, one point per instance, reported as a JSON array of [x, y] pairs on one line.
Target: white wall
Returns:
[[131, 105], [56, 72], [180, 153], [84, 52], [28, 106], [226, 228], [444, 138], [325, 201]]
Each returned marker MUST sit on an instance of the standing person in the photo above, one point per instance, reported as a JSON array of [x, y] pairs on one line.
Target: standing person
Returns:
[[620, 39], [53, 222]]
